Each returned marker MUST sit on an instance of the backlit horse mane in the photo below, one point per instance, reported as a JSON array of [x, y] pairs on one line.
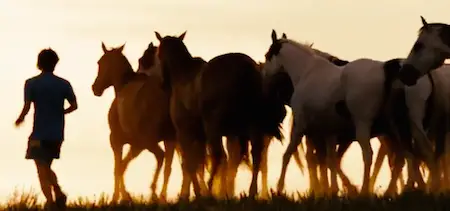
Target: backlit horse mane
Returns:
[[149, 62], [304, 46]]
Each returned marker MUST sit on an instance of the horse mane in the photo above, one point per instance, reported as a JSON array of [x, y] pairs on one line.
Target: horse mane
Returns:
[[148, 58], [183, 56], [434, 25], [124, 59], [303, 46]]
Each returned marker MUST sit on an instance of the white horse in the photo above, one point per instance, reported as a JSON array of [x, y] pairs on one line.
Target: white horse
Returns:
[[149, 67], [319, 85], [416, 101], [429, 52], [316, 154], [317, 89]]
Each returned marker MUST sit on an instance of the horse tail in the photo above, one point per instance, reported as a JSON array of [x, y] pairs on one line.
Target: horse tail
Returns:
[[391, 70]]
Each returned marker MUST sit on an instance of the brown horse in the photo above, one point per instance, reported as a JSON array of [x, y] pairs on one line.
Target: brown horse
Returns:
[[138, 116], [209, 101]]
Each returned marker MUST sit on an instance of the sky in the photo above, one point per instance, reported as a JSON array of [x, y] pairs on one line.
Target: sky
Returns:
[[349, 29]]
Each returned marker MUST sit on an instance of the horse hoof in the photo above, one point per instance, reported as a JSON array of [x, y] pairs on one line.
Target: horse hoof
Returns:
[[154, 197], [162, 199], [126, 202], [280, 187], [265, 195], [183, 197]]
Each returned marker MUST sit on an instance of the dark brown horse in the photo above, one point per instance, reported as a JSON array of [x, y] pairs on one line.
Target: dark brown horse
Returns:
[[138, 116], [221, 98]]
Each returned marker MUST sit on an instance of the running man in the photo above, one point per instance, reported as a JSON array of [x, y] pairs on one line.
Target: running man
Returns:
[[47, 92]]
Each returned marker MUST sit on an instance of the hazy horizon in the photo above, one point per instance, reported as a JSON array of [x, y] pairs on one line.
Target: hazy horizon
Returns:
[[348, 29]]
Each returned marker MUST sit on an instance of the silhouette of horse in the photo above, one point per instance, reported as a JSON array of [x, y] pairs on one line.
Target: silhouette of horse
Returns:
[[209, 101], [138, 115]]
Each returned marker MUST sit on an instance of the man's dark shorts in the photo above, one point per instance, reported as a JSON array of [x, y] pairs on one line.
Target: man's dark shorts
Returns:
[[43, 150]]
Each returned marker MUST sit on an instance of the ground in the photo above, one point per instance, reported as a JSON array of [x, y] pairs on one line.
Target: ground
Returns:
[[411, 201]]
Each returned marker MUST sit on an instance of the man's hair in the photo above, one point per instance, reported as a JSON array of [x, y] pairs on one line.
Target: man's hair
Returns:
[[47, 60]]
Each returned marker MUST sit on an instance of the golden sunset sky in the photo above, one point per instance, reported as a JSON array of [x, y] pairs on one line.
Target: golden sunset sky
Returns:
[[349, 29]]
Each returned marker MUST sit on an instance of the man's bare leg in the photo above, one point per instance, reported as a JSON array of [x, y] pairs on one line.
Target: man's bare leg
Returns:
[[43, 170]]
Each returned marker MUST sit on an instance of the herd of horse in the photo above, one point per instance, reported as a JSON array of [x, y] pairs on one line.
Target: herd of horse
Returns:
[[190, 104]]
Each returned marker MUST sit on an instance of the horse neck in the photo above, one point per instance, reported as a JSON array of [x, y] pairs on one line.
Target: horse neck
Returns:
[[127, 76], [185, 71], [302, 65]]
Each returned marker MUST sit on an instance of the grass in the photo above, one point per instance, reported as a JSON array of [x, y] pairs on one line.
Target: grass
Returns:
[[410, 201]]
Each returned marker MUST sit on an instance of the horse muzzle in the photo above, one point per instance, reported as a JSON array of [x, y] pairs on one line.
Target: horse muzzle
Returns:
[[409, 75], [97, 92]]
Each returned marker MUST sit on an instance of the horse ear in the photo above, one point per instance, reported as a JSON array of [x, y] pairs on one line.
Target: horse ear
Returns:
[[274, 36], [120, 49], [424, 22], [104, 48], [311, 45], [181, 37], [284, 36], [150, 45], [158, 36]]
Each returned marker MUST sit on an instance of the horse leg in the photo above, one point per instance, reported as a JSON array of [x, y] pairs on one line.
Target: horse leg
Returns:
[[159, 156], [132, 154], [396, 170], [411, 172], [186, 181], [332, 163], [257, 140], [344, 144], [296, 139], [219, 161], [297, 158], [393, 164], [363, 138], [396, 162], [193, 155], [264, 168], [321, 154], [325, 185], [447, 162], [169, 147], [117, 148], [234, 159], [201, 176], [312, 167], [425, 148], [414, 174], [382, 152]]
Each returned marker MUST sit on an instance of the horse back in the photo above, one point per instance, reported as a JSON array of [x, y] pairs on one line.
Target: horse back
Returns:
[[362, 78], [231, 93], [230, 79]]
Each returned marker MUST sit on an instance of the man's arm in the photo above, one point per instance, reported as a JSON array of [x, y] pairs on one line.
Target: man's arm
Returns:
[[27, 103], [72, 99]]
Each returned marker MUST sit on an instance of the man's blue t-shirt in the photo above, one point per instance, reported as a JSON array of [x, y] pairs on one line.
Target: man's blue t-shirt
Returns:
[[48, 92]]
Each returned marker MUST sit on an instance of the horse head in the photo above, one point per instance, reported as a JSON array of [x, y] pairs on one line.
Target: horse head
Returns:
[[429, 52], [173, 55], [149, 62], [112, 67]]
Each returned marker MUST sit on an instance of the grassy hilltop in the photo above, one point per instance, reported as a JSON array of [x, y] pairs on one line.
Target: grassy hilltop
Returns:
[[410, 201]]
